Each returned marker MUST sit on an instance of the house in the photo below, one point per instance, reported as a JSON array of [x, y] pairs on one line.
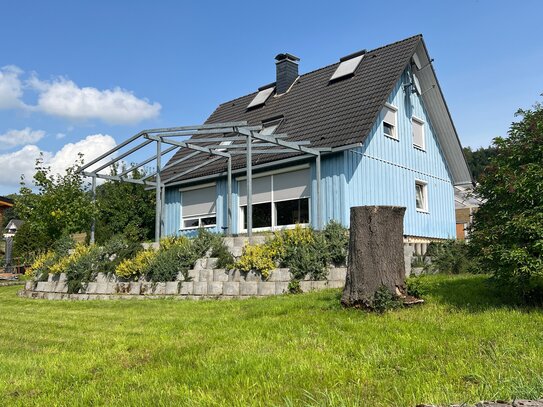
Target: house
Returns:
[[386, 134], [4, 204], [466, 204]]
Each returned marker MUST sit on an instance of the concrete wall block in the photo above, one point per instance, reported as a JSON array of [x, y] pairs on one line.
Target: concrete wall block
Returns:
[[280, 275], [281, 287], [187, 288], [306, 286], [60, 287], [248, 288], [240, 241], [234, 275], [220, 275], [266, 288], [236, 251], [200, 288], [43, 286], [51, 277], [211, 263], [337, 273], [91, 287], [257, 240], [336, 284], [160, 289], [194, 275], [172, 287], [200, 264], [214, 288], [319, 285], [101, 278], [228, 241], [146, 288], [135, 288], [206, 275], [122, 288], [251, 276], [29, 285], [231, 288]]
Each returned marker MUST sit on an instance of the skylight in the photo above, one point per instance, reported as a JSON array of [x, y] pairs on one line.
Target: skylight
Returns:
[[347, 67], [261, 97]]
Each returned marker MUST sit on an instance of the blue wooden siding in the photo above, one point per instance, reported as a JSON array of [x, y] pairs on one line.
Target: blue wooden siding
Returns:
[[383, 171], [380, 172]]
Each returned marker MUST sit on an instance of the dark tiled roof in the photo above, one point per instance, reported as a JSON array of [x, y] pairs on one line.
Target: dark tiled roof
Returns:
[[326, 114], [8, 201]]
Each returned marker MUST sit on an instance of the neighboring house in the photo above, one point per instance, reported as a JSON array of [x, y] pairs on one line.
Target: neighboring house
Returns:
[[4, 204], [391, 140], [11, 228], [466, 204]]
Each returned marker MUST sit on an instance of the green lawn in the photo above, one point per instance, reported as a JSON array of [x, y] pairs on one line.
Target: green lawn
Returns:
[[464, 344]]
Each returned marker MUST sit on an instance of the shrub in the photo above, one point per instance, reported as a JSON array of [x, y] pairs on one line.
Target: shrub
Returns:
[[83, 267], [225, 260], [132, 268], [449, 257], [257, 258], [39, 270], [294, 287], [337, 238], [507, 233], [385, 300], [308, 259], [169, 261], [415, 286]]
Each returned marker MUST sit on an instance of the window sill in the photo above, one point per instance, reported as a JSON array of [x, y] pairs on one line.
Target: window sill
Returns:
[[198, 227], [423, 211], [275, 228], [419, 148], [391, 137]]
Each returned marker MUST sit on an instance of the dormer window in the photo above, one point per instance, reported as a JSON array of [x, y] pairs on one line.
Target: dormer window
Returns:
[[389, 121]]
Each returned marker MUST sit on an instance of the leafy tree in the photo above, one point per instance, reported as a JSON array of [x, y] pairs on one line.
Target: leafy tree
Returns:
[[61, 206], [126, 209], [507, 235], [478, 159]]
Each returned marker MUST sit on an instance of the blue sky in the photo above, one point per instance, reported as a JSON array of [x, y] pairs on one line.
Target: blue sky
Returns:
[[82, 75]]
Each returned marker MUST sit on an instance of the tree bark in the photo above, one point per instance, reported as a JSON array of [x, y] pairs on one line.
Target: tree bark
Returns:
[[376, 255]]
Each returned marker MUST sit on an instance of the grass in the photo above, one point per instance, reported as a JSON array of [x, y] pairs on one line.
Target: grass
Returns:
[[465, 344]]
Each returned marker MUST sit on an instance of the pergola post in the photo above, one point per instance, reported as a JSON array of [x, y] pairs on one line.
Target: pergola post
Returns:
[[318, 179], [229, 198], [162, 203], [158, 213], [249, 188], [93, 224]]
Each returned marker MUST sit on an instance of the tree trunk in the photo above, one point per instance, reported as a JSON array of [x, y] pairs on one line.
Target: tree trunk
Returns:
[[376, 255]]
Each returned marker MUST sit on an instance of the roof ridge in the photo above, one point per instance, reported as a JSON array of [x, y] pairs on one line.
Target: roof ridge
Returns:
[[324, 67]]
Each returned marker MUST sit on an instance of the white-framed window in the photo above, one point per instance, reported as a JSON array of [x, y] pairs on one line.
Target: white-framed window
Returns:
[[418, 133], [279, 200], [389, 121], [199, 206], [421, 195]]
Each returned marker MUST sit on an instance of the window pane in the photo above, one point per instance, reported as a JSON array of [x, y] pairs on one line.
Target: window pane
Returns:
[[210, 221], [420, 196], [388, 129], [292, 212], [190, 223], [261, 215], [418, 133]]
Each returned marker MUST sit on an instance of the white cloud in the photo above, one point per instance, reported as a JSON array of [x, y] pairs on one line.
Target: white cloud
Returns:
[[11, 89], [60, 136], [23, 161], [22, 137], [64, 98]]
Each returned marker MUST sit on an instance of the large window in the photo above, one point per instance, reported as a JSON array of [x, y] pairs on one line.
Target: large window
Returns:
[[198, 207], [279, 200], [389, 121]]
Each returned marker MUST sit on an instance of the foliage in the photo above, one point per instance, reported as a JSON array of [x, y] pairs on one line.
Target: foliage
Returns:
[[294, 287], [39, 269], [450, 257], [416, 286], [134, 267], [337, 238], [28, 242], [308, 259], [384, 300], [117, 249], [136, 221], [225, 260], [84, 266], [61, 206], [418, 261], [176, 258], [9, 212], [479, 159], [507, 234], [258, 258]]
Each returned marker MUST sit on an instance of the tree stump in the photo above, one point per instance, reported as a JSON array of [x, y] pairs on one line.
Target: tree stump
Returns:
[[376, 254]]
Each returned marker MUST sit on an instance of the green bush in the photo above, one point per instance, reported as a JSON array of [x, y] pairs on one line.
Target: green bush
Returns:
[[507, 233], [337, 238], [258, 258], [385, 300], [416, 286], [84, 267], [310, 258], [450, 257], [176, 257]]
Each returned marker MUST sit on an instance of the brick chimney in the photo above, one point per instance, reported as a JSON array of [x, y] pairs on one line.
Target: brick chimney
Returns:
[[287, 72]]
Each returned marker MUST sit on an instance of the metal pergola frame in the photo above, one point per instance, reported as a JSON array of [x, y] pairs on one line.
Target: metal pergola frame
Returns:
[[240, 132]]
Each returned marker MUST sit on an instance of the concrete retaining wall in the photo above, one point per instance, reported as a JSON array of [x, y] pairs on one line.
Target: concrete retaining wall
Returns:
[[203, 282]]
